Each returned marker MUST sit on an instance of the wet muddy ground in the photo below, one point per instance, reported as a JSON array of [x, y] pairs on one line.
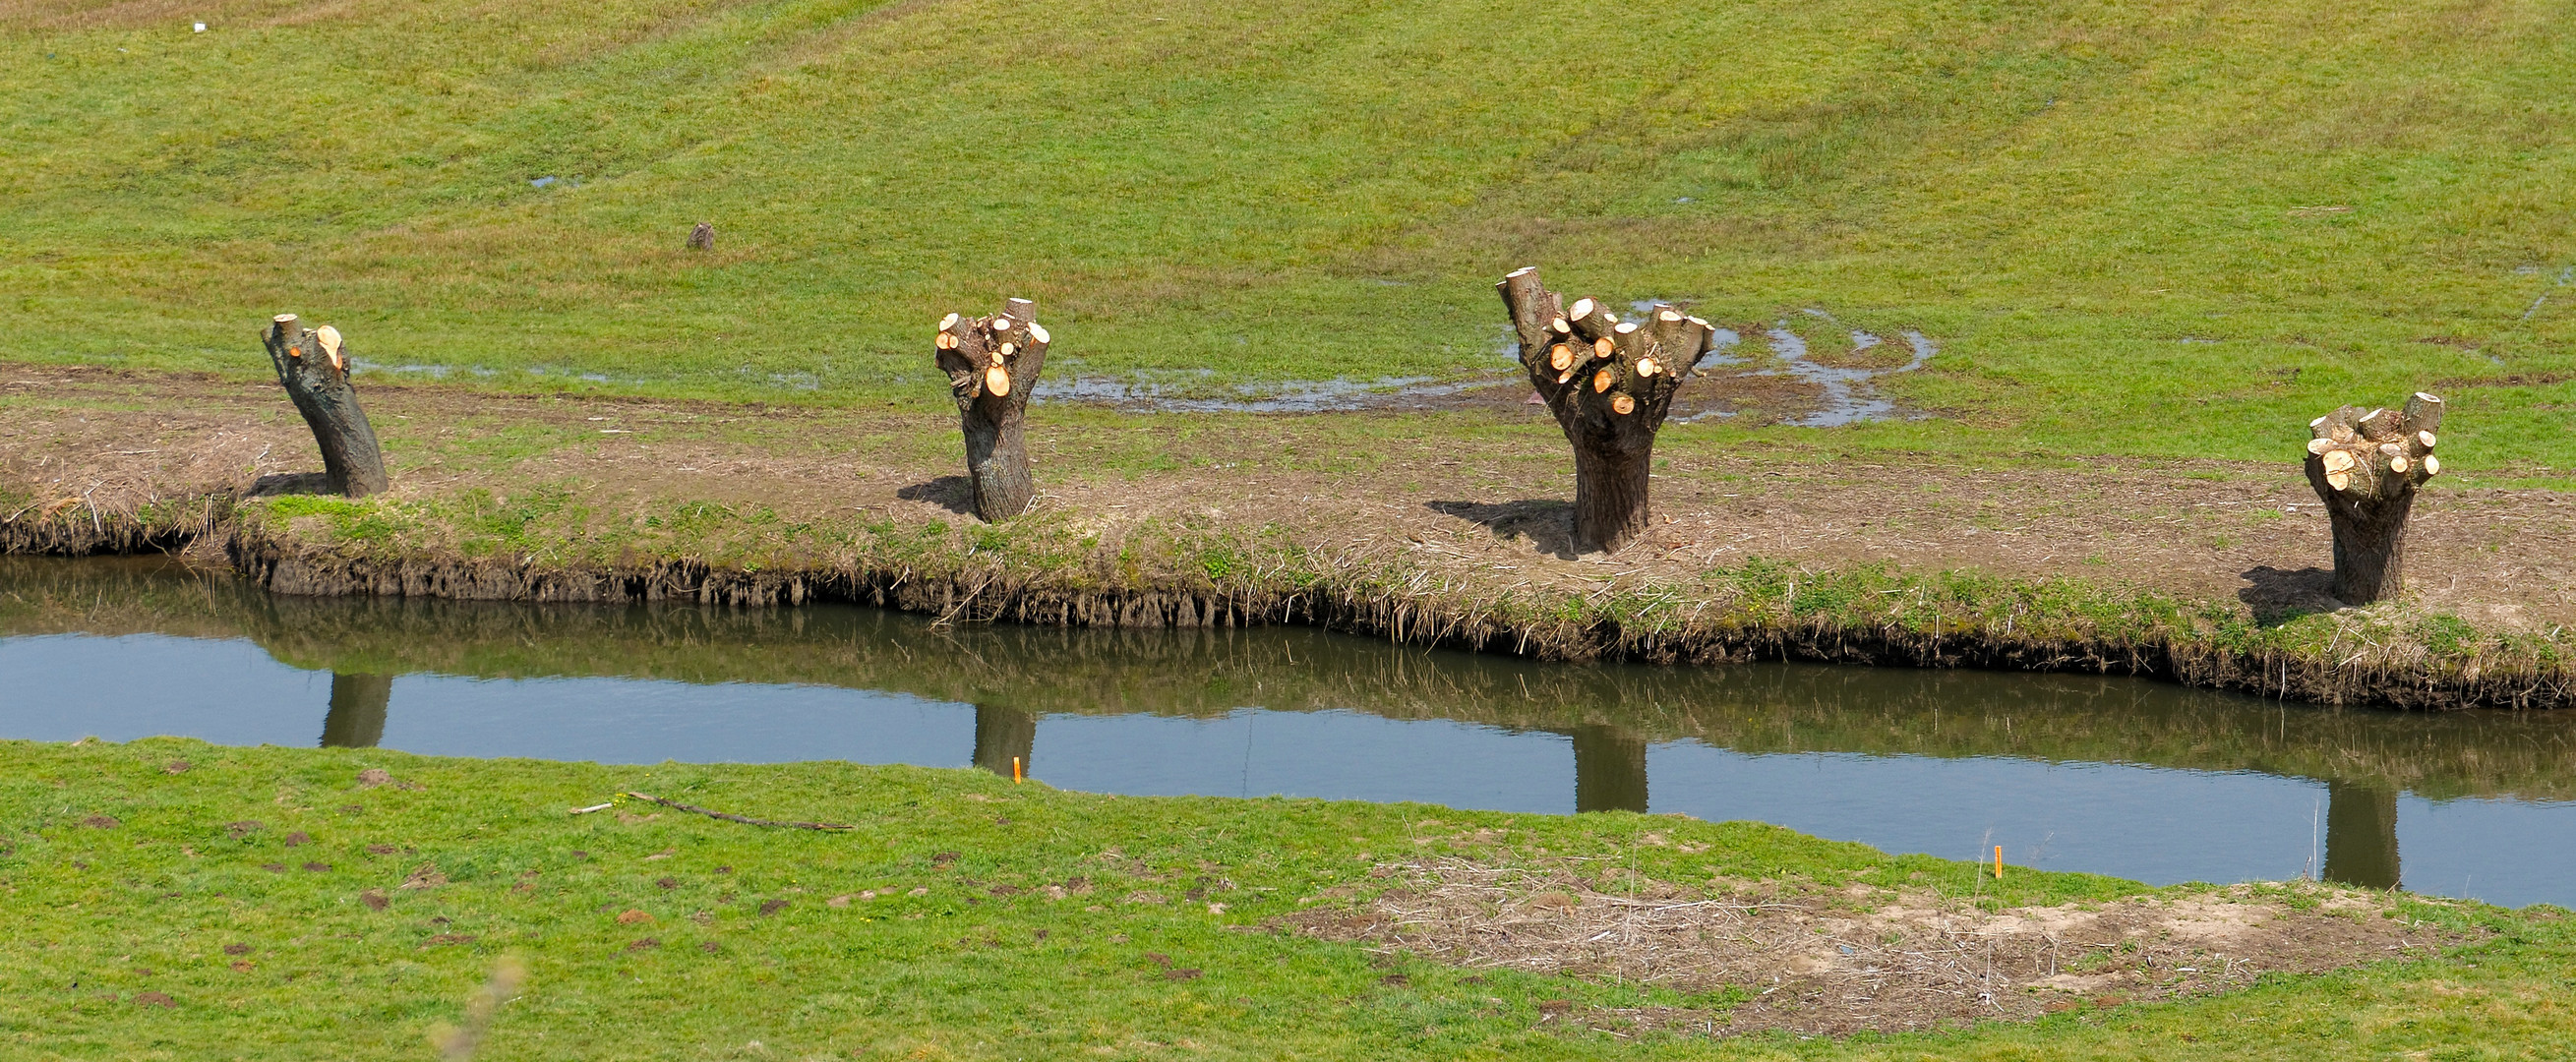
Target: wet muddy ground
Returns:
[[1780, 377], [1480, 493]]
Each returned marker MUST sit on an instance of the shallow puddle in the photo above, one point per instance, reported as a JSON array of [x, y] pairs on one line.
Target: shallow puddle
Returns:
[[2118, 776], [1846, 394], [1295, 396], [1841, 394]]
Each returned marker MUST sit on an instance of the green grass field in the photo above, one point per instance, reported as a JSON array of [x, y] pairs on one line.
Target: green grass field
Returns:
[[2134, 229], [174, 900], [2345, 201]]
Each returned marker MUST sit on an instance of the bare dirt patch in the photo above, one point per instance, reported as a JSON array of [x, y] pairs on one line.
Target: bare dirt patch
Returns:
[[1477, 496], [1834, 962]]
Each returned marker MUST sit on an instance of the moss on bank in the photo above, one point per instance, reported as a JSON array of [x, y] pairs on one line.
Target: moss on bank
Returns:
[[181, 900]]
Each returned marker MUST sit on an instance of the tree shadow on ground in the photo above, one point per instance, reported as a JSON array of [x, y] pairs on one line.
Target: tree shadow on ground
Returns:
[[1548, 523], [282, 484], [953, 493], [2278, 595]]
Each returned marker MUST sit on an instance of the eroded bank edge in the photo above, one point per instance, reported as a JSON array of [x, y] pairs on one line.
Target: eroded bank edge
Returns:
[[1176, 578]]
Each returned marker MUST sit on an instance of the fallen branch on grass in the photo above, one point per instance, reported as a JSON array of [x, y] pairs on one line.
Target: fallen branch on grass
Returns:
[[676, 805]]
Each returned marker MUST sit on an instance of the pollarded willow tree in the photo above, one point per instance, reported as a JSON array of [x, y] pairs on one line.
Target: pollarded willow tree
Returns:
[[313, 365], [2366, 466], [1609, 382], [992, 364]]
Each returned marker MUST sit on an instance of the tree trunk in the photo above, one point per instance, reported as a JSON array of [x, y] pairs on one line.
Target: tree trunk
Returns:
[[1609, 383], [992, 364], [2366, 467], [357, 716], [1610, 494], [313, 365]]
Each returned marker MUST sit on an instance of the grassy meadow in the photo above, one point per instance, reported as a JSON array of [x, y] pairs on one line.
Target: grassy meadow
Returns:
[[2133, 228], [177, 900]]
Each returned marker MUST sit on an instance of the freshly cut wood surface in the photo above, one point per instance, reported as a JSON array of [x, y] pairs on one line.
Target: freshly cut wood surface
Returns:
[[991, 373], [1612, 424], [353, 464], [2367, 475], [1486, 486]]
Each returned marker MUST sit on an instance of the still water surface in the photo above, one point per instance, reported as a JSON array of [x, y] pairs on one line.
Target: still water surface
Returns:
[[2116, 776]]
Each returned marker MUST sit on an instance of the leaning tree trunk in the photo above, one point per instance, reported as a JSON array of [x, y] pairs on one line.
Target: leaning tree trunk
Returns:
[[2366, 466], [1609, 382], [992, 364], [314, 366]]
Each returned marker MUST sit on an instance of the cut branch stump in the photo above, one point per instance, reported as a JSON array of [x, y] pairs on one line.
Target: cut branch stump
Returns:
[[2366, 466], [313, 365], [1610, 383], [992, 364]]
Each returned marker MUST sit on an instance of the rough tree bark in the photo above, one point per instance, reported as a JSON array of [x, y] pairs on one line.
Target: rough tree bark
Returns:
[[992, 364], [313, 365], [1609, 382], [2366, 465]]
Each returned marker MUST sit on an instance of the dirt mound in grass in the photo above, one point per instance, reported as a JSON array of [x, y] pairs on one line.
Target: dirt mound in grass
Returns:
[[1840, 961]]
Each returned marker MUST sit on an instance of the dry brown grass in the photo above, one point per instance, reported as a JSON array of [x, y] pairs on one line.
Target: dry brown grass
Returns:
[[1481, 505], [1834, 962], [1450, 530]]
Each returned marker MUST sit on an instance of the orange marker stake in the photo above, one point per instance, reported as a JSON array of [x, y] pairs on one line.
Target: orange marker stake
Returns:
[[1999, 859], [1015, 777]]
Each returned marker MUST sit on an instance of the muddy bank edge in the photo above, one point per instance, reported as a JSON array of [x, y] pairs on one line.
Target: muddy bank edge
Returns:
[[1043, 571]]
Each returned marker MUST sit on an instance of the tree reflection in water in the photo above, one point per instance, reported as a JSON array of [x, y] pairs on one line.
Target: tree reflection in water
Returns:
[[1612, 714]]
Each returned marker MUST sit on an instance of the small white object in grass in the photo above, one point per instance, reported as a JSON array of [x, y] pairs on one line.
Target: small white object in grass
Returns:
[[201, 27], [587, 810]]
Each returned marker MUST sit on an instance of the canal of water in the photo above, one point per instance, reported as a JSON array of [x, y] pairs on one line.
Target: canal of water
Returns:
[[2119, 776]]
